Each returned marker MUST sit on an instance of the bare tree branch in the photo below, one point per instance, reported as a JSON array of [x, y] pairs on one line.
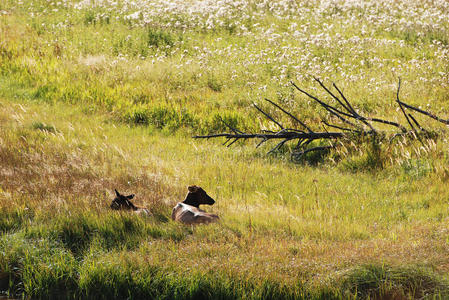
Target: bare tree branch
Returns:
[[230, 127], [268, 116], [341, 128], [304, 139], [425, 113], [402, 109], [416, 122], [271, 136], [329, 108], [289, 114]]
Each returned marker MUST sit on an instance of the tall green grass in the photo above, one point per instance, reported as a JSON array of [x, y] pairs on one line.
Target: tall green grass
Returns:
[[91, 101], [311, 229]]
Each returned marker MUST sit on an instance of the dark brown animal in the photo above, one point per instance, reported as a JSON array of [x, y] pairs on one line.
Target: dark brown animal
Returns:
[[188, 211], [122, 202]]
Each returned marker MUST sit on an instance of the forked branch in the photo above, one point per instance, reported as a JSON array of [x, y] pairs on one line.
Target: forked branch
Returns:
[[361, 125]]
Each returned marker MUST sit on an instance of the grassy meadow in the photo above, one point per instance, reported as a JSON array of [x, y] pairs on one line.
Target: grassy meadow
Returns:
[[98, 95]]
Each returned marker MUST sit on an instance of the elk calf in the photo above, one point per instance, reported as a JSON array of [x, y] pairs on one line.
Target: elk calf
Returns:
[[122, 202], [188, 211]]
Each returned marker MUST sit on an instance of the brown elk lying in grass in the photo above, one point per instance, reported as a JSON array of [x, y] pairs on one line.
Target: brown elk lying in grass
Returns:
[[188, 211], [122, 202]]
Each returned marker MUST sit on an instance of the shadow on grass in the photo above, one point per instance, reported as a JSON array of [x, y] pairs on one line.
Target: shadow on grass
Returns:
[[384, 282], [11, 219], [43, 268], [155, 283], [117, 231]]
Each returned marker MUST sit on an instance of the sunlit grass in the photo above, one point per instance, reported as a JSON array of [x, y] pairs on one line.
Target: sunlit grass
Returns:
[[145, 74], [92, 100], [310, 222]]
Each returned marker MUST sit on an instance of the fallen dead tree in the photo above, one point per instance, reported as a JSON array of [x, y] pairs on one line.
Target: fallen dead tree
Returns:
[[351, 124]]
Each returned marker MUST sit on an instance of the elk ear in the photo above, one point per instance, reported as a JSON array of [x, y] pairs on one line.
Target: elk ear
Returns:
[[117, 193], [193, 188], [130, 196]]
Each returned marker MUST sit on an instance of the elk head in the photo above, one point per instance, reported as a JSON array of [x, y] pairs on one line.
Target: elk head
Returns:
[[122, 202], [197, 196]]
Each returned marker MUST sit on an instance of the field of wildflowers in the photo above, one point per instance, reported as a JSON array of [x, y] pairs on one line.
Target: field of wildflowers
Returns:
[[102, 94]]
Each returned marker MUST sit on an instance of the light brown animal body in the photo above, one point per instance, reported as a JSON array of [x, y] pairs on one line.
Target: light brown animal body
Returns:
[[188, 211], [189, 214]]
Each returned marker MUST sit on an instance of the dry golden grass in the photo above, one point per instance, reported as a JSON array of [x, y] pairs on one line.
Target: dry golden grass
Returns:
[[71, 167], [91, 100]]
